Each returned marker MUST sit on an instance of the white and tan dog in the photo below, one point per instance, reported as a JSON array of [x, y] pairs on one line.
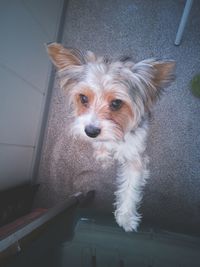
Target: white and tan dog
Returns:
[[110, 102]]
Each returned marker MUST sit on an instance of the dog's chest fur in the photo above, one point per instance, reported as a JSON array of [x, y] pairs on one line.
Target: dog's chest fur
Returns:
[[130, 148]]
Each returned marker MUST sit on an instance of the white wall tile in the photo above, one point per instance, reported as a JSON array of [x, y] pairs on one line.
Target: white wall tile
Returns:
[[25, 26], [46, 13], [15, 165], [20, 108], [22, 43]]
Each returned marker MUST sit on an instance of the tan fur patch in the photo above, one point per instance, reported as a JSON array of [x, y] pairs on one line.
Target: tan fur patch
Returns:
[[80, 107], [163, 73], [62, 57], [120, 117]]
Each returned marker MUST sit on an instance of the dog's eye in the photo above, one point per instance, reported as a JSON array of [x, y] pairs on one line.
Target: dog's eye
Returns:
[[116, 104], [84, 99]]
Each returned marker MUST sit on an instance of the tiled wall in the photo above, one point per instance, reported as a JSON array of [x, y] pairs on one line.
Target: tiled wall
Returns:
[[25, 26]]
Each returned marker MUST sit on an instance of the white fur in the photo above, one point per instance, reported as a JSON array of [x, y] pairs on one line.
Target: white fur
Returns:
[[129, 194], [132, 170], [131, 176]]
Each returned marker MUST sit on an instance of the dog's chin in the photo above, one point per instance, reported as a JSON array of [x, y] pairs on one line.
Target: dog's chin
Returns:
[[106, 139], [101, 140], [98, 139]]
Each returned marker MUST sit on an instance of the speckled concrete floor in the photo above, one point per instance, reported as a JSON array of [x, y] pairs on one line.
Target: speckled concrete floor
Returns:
[[141, 29]]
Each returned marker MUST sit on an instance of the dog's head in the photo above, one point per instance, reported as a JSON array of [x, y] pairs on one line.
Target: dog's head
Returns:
[[108, 98]]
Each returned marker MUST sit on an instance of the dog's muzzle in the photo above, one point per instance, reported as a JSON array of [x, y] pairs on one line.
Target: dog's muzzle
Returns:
[[92, 131]]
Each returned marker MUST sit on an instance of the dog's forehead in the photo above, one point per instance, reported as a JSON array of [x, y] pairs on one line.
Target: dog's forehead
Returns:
[[102, 76]]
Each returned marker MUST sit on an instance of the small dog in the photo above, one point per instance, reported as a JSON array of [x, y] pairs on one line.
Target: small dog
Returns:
[[110, 102]]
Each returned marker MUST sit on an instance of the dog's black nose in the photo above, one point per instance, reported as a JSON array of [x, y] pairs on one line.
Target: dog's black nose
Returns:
[[92, 131]]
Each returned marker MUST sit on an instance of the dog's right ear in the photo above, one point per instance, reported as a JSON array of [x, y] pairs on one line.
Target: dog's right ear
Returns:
[[64, 58]]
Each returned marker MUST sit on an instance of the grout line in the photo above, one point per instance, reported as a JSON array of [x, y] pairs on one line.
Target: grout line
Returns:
[[35, 19], [8, 69], [17, 145]]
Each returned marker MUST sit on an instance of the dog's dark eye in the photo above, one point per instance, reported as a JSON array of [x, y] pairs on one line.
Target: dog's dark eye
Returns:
[[84, 99], [116, 104]]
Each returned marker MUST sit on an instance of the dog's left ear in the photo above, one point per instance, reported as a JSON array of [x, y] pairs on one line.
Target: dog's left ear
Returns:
[[63, 58], [150, 76], [163, 73]]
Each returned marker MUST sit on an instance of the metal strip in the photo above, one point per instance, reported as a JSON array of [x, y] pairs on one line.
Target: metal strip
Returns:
[[27, 229]]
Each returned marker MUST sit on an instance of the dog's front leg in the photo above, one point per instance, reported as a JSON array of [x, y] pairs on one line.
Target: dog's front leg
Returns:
[[130, 181]]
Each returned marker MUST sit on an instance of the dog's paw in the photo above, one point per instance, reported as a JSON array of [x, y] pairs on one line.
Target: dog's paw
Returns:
[[127, 221]]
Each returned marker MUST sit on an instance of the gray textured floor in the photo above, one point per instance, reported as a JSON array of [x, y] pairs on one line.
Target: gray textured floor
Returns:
[[142, 29]]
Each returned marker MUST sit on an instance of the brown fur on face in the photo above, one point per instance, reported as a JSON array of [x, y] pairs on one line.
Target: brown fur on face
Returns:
[[81, 108], [121, 117], [100, 105]]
